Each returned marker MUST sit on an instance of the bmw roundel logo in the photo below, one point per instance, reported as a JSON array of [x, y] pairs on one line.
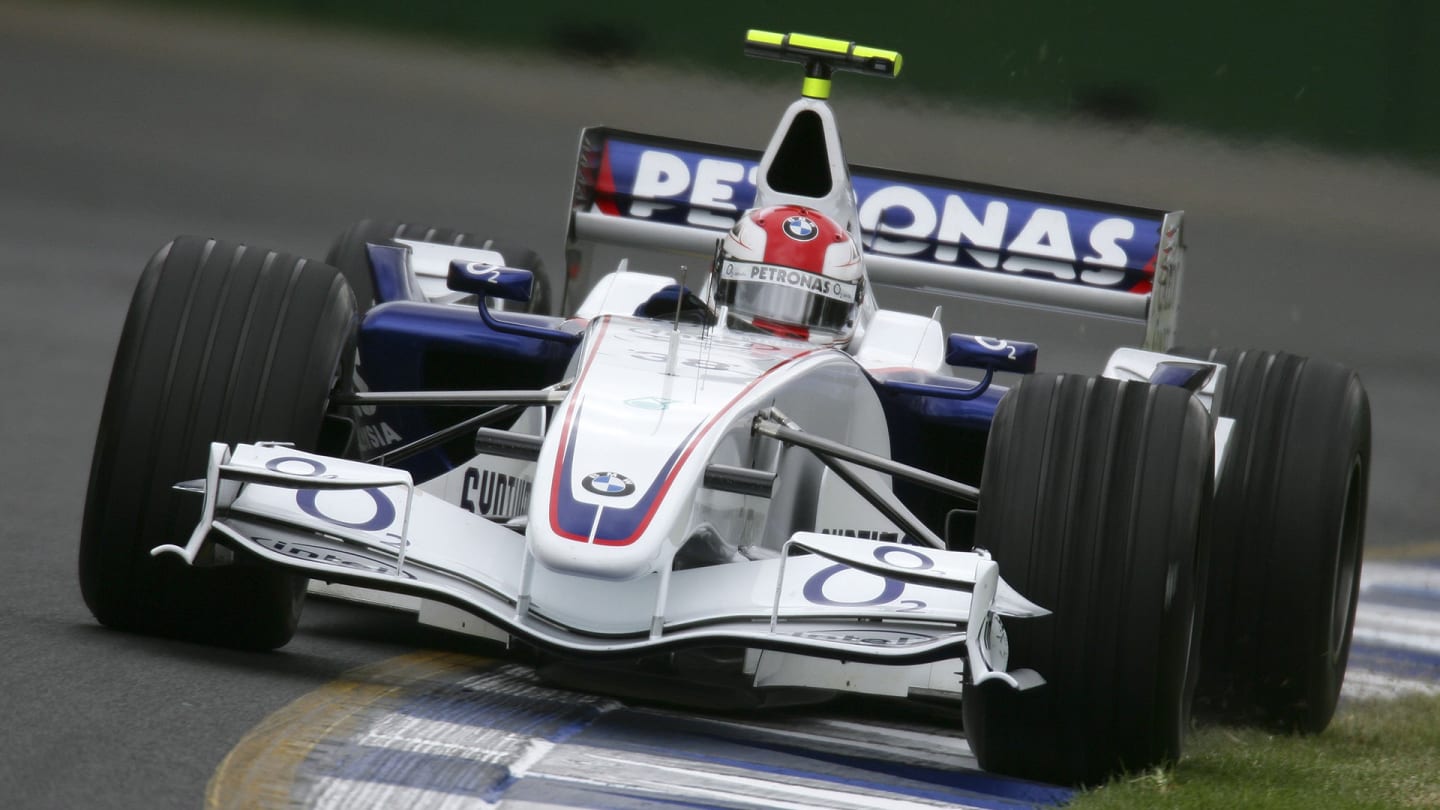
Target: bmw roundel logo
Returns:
[[609, 484], [801, 229]]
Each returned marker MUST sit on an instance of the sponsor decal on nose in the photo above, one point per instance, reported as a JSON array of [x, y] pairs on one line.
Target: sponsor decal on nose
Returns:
[[609, 484], [651, 403]]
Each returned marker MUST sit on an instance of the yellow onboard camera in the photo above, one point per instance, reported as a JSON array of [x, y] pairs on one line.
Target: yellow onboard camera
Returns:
[[821, 57]]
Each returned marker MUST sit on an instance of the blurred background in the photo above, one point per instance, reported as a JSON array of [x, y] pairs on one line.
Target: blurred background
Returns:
[[1301, 139], [1334, 74]]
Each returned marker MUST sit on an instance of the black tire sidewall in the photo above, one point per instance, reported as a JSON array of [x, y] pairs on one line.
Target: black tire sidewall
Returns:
[[1287, 562], [221, 343], [1093, 502]]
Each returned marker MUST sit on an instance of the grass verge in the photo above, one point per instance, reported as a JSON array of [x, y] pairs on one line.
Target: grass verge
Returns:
[[1376, 754]]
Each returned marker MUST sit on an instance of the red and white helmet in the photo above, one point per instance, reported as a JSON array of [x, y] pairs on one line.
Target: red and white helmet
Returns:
[[790, 271]]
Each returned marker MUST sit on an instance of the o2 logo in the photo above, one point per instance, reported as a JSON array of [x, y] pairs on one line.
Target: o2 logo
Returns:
[[482, 271], [814, 590], [996, 345], [309, 499]]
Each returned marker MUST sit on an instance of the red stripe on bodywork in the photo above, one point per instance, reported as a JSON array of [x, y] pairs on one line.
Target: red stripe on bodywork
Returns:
[[1145, 285], [605, 186], [565, 448]]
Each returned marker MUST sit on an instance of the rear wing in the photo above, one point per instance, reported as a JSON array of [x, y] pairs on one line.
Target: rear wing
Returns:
[[920, 233]]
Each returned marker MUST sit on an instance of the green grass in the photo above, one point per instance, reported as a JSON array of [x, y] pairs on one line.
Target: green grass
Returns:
[[1376, 754]]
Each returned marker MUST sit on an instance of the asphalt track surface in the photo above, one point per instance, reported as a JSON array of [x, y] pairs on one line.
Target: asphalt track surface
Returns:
[[120, 130]]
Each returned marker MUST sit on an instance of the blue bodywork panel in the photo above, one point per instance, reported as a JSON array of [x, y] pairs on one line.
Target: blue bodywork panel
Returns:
[[943, 434], [413, 346]]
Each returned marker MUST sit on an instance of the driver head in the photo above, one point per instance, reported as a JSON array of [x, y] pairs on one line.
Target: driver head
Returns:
[[793, 272]]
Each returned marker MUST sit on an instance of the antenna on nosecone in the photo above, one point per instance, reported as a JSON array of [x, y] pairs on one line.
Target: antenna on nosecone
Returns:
[[674, 354]]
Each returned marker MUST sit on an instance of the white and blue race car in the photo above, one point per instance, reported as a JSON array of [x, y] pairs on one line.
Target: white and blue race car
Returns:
[[657, 480]]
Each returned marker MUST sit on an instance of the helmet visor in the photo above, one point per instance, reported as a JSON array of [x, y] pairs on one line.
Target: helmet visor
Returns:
[[787, 296]]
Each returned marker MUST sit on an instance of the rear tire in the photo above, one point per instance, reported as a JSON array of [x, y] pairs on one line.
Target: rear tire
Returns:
[[1093, 501], [223, 342], [348, 253], [1290, 526]]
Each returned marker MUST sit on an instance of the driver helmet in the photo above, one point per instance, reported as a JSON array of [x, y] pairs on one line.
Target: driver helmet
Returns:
[[790, 271]]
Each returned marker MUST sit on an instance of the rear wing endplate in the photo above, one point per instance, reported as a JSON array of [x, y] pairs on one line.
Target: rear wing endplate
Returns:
[[920, 233]]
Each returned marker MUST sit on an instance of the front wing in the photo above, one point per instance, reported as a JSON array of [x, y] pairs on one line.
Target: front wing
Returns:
[[357, 524]]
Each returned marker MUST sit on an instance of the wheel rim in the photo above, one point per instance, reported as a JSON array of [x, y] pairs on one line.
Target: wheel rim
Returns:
[[1347, 564]]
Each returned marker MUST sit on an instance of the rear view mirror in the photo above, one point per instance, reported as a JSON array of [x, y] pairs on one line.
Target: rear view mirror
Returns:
[[991, 354], [490, 281]]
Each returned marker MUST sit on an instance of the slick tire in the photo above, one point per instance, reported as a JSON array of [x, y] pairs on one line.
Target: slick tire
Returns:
[[1289, 537], [348, 253], [1094, 502], [223, 342]]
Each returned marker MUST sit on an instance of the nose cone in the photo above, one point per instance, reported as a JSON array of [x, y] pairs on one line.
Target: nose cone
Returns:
[[607, 513], [618, 474]]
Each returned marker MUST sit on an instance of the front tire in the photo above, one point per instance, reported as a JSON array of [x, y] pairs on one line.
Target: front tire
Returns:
[[1093, 502], [223, 342]]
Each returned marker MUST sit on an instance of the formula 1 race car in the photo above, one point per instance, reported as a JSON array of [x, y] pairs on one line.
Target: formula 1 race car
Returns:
[[763, 487]]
